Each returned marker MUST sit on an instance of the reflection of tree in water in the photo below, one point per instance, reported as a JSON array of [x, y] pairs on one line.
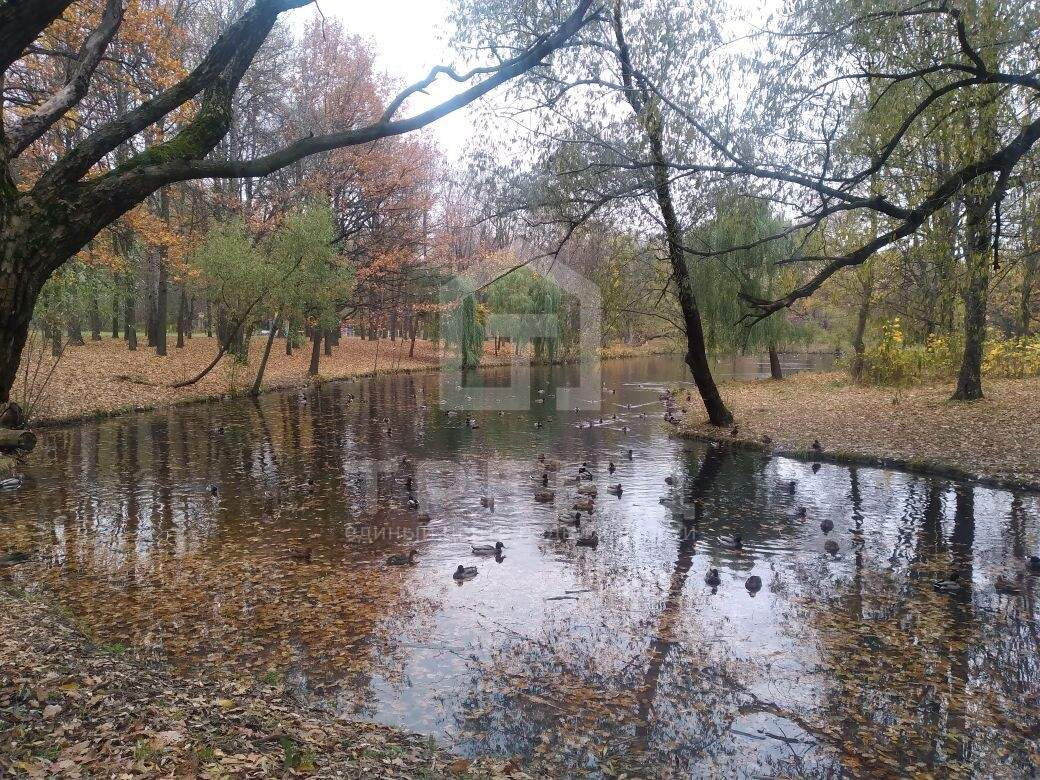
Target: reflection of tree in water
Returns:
[[599, 694], [917, 680]]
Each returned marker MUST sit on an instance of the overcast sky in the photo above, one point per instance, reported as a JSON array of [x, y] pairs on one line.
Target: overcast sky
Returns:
[[410, 37]]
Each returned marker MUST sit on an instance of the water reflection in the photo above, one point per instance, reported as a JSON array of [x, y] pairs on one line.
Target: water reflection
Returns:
[[251, 539]]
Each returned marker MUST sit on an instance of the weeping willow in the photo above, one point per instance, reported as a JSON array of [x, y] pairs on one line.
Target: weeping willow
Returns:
[[530, 310], [464, 326], [755, 271]]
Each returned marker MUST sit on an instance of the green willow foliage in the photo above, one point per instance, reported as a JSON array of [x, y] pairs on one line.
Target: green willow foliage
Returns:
[[531, 310], [464, 323], [737, 266]]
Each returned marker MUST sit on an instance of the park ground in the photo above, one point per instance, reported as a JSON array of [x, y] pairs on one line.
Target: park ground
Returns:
[[996, 439]]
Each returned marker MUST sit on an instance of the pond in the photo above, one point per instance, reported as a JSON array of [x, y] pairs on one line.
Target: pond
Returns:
[[252, 539]]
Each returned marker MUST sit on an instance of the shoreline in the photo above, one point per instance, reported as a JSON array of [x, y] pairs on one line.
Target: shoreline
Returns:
[[283, 382], [916, 430]]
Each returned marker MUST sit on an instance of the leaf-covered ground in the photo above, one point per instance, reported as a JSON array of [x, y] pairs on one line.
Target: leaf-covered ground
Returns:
[[70, 708], [996, 438], [104, 377]]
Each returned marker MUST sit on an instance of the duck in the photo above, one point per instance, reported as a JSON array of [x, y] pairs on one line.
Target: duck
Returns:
[[1006, 586], [584, 505], [802, 513], [545, 479], [734, 432], [630, 456], [791, 486], [488, 502], [10, 483], [949, 585], [669, 480], [617, 490], [408, 484], [592, 540], [735, 541], [712, 578], [401, 559], [817, 447], [472, 422], [488, 549], [413, 502], [587, 490], [544, 496], [552, 465], [815, 468], [1034, 564], [611, 468], [303, 555], [464, 573], [831, 546], [559, 534], [753, 584], [766, 439], [827, 525], [213, 489], [577, 519]]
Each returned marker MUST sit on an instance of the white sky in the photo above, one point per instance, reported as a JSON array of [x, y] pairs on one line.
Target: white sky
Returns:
[[410, 37]]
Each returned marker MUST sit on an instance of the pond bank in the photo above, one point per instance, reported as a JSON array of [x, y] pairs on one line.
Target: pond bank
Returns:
[[73, 707], [995, 441], [103, 378]]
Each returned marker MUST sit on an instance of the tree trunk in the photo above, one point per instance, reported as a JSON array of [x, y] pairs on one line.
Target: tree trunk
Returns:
[[288, 338], [75, 331], [1025, 304], [978, 244], [859, 347], [413, 333], [95, 319], [775, 372], [129, 316], [328, 342], [182, 317], [315, 350], [161, 296], [115, 314], [267, 354]]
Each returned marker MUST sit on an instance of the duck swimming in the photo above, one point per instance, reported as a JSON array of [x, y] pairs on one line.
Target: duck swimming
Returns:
[[544, 496], [585, 505], [611, 468], [949, 585], [831, 547], [734, 541], [488, 502], [592, 540], [753, 584], [464, 573], [488, 549], [1034, 563], [827, 525], [402, 560], [617, 490], [587, 490], [712, 578], [558, 534]]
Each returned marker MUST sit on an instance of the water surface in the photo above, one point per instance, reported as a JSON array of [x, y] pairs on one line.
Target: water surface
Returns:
[[251, 538]]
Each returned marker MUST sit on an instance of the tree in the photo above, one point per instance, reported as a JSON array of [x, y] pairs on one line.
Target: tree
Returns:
[[165, 139]]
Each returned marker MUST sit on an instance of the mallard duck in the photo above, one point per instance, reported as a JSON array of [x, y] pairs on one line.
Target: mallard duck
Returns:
[[544, 496], [545, 479], [949, 585], [402, 560], [827, 525], [213, 489], [630, 455], [588, 541], [488, 549], [753, 583], [472, 422], [303, 555], [587, 490], [10, 483], [734, 541], [577, 519], [669, 480], [413, 502], [617, 490], [1006, 586], [712, 578], [408, 484], [559, 534], [584, 505], [1034, 563], [464, 573], [488, 502], [611, 468], [791, 486], [802, 513], [815, 468], [831, 546]]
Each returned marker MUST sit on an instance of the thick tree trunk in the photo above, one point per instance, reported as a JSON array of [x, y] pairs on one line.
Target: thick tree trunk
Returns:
[[775, 371], [414, 330], [115, 314], [315, 351], [288, 338], [74, 329], [978, 244], [328, 342], [55, 339]]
